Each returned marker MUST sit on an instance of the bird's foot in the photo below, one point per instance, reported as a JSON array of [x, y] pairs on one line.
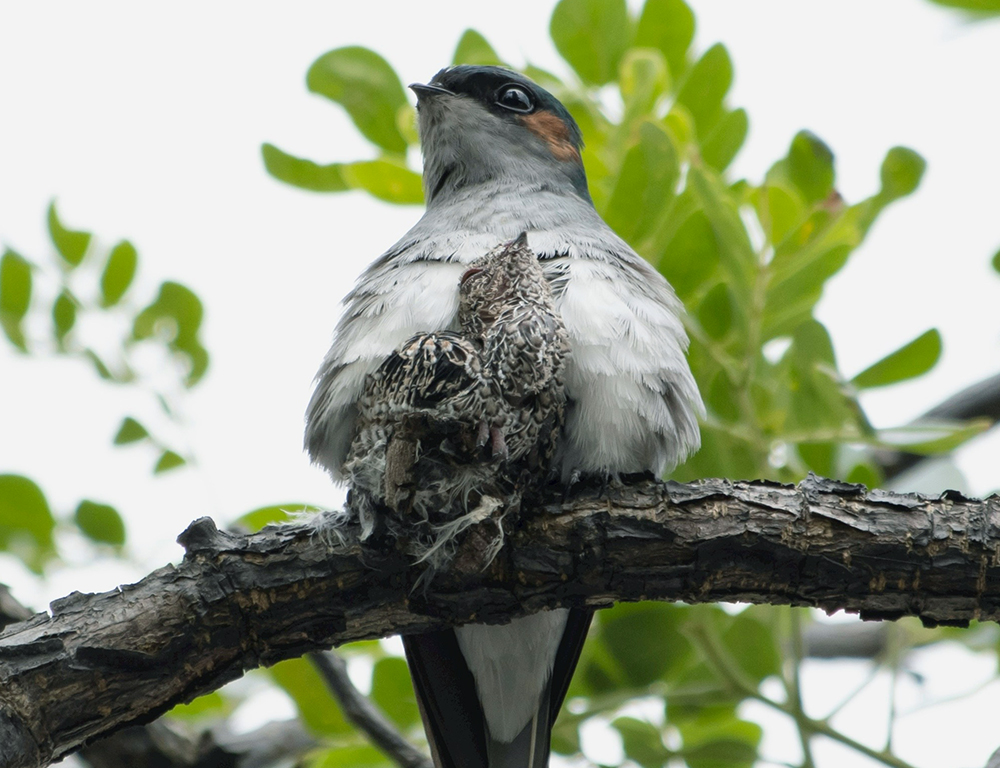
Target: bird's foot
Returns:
[[604, 483]]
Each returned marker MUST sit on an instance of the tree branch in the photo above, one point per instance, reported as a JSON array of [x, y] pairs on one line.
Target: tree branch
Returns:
[[278, 743], [368, 718], [979, 400], [101, 662]]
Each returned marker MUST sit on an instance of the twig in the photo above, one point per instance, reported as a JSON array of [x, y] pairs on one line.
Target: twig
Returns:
[[360, 710], [793, 684], [729, 672]]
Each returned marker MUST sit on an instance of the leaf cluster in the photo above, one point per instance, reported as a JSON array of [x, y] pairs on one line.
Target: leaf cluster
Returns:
[[58, 307], [750, 260]]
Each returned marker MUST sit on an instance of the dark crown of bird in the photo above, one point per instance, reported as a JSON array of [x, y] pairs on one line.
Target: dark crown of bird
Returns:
[[484, 123]]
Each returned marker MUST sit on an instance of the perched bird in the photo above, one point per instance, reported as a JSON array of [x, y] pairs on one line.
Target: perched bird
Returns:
[[502, 156], [453, 424]]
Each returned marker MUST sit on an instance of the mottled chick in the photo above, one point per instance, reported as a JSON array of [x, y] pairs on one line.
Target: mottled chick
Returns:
[[454, 426]]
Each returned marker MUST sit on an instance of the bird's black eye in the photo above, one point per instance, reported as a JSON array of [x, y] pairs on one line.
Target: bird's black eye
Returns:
[[515, 98]]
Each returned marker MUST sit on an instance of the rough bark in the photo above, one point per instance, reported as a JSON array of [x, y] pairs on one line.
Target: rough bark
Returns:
[[101, 662]]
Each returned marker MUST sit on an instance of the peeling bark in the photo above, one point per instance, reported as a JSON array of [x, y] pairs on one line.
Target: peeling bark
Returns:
[[101, 662]]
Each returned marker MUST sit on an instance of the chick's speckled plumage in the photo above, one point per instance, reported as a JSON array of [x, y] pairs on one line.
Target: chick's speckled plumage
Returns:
[[452, 424]]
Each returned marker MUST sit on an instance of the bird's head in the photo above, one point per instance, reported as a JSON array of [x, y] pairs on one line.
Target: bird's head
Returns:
[[509, 275], [480, 124]]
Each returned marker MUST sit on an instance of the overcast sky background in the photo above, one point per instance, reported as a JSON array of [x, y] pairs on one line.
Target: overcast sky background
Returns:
[[145, 121]]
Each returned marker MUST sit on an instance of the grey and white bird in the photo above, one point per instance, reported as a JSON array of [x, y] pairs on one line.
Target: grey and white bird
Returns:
[[502, 156], [454, 425]]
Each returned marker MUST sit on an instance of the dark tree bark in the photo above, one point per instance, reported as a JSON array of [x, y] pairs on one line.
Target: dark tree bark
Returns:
[[102, 662]]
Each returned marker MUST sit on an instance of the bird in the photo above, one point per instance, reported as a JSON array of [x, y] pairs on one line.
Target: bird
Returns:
[[501, 155], [454, 425]]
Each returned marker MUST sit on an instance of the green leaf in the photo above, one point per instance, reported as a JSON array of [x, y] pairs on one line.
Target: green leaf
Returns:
[[706, 86], [996, 261], [931, 436], [812, 346], [392, 690], [752, 643], [168, 460], [386, 180], [276, 513], [643, 80], [118, 273], [70, 244], [213, 703], [793, 292], [645, 185], [716, 738], [102, 370], [723, 142], [15, 296], [819, 457], [901, 172], [866, 475], [473, 48], [367, 87], [26, 522], [726, 751], [779, 209], [592, 35], [100, 522], [642, 742], [715, 313], [736, 253], [722, 397], [977, 9], [347, 756], [691, 256], [303, 173], [644, 641], [907, 362], [177, 313], [317, 708], [63, 314], [817, 400], [667, 25], [724, 455], [810, 166]]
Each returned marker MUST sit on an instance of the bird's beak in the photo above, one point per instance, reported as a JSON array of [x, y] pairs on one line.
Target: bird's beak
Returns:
[[425, 91]]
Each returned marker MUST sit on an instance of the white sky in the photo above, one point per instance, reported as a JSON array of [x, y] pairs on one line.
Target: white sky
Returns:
[[146, 121]]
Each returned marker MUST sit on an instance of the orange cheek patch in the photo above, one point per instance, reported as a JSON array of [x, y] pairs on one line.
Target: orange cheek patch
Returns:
[[553, 132]]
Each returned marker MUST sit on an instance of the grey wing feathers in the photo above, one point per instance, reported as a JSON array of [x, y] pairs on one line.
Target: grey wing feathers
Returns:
[[395, 298]]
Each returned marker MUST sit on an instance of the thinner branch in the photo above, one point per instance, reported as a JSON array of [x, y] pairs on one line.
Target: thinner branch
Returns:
[[363, 713]]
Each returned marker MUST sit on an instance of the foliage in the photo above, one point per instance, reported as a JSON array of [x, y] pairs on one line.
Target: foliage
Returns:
[[45, 309], [750, 261], [975, 9]]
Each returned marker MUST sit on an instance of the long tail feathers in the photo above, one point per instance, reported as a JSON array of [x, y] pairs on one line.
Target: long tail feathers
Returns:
[[530, 749], [453, 716]]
